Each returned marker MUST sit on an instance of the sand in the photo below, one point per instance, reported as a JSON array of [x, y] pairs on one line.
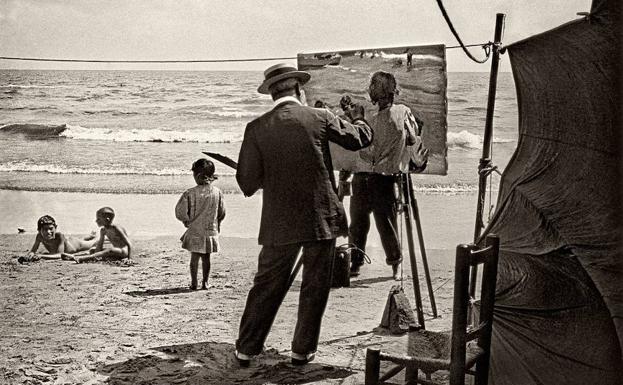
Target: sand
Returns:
[[67, 323]]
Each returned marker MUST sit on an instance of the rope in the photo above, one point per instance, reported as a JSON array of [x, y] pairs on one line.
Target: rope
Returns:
[[493, 168], [352, 246], [487, 168], [146, 61], [490, 170], [490, 196], [483, 45], [486, 46], [487, 172]]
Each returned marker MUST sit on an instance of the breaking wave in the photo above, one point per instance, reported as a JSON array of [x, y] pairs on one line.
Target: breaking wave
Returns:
[[151, 135], [446, 189], [458, 140], [467, 140], [42, 131], [463, 139], [59, 169], [158, 181], [385, 55]]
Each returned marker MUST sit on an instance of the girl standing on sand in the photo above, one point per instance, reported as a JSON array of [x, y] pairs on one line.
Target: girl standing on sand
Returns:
[[202, 210]]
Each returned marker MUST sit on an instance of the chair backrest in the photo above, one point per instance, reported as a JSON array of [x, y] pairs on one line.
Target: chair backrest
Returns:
[[468, 256]]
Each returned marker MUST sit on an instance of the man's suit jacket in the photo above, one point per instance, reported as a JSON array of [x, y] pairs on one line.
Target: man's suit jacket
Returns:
[[285, 152]]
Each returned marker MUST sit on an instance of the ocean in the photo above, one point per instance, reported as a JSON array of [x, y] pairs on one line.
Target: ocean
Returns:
[[139, 131]]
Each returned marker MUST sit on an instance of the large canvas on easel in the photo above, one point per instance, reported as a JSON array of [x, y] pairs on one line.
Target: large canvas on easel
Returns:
[[421, 75]]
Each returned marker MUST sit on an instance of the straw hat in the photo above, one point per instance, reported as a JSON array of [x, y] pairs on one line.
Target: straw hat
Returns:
[[279, 72]]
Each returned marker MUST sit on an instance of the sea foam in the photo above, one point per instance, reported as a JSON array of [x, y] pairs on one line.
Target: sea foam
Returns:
[[444, 188], [59, 169], [151, 135], [463, 139], [467, 140]]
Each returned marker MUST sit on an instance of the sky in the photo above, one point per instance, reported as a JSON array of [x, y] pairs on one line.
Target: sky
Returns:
[[207, 29]]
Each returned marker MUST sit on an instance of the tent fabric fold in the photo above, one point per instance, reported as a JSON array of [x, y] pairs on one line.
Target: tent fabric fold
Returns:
[[559, 300]]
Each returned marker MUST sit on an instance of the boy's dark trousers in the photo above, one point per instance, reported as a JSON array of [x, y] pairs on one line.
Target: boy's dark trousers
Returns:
[[270, 287], [374, 194]]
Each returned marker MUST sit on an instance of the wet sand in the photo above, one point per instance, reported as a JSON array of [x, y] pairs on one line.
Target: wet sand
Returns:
[[446, 219]]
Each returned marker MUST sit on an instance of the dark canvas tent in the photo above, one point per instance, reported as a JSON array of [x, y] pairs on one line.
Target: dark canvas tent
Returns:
[[559, 303]]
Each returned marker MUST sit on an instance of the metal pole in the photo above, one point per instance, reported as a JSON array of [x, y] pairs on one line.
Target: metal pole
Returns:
[[486, 142], [420, 237]]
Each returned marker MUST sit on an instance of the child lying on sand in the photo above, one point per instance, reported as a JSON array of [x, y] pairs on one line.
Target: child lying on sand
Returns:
[[56, 243], [116, 234]]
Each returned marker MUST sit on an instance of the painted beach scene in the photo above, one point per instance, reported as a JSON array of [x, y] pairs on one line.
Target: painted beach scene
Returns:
[[420, 72]]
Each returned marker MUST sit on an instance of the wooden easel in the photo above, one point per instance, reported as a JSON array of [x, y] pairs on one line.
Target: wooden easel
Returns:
[[410, 211]]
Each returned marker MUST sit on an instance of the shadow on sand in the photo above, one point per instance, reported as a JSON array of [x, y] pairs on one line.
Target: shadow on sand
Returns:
[[360, 283], [363, 283], [153, 292], [214, 363]]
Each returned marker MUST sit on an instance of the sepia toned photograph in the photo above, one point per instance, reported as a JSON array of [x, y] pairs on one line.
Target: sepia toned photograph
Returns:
[[331, 193]]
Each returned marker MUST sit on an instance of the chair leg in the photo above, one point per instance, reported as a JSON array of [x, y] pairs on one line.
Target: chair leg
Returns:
[[373, 366], [411, 375], [482, 372]]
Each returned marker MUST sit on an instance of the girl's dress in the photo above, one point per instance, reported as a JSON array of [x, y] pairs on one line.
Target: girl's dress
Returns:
[[201, 208]]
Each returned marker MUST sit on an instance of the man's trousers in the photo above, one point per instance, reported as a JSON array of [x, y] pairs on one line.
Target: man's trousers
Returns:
[[374, 194], [270, 287]]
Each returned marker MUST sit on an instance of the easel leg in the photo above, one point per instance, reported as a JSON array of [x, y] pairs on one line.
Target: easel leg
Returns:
[[420, 236], [414, 272]]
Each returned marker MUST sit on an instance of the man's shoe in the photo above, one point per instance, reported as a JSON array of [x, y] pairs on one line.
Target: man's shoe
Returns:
[[302, 359], [243, 359]]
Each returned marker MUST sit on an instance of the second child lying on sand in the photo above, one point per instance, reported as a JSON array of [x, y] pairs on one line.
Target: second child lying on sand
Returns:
[[56, 243], [116, 234]]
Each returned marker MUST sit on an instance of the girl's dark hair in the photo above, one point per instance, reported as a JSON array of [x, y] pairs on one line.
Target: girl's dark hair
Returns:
[[45, 220], [203, 166]]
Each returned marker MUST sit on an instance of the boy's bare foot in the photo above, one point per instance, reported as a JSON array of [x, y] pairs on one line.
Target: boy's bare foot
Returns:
[[67, 257], [395, 272]]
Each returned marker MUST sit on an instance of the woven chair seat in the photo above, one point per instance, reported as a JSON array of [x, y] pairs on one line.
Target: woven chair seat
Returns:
[[429, 351]]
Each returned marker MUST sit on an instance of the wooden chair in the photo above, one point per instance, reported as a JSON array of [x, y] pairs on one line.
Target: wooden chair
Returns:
[[469, 347]]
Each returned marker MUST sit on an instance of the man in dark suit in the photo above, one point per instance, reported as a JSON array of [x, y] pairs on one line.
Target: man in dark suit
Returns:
[[285, 152]]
